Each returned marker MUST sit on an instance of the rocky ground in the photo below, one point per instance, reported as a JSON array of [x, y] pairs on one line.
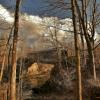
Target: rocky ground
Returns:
[[60, 87]]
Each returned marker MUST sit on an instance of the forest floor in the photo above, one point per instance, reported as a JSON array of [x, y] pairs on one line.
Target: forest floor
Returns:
[[62, 94], [90, 87], [49, 96], [29, 95]]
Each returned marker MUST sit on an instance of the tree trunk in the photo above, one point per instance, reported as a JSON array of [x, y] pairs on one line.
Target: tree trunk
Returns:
[[2, 68], [77, 52], [14, 54], [92, 61], [88, 38]]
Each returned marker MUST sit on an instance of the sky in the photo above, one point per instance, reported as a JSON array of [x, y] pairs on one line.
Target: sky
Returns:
[[35, 7]]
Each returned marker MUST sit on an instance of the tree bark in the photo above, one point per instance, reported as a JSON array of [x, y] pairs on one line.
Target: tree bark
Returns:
[[14, 54], [2, 68], [77, 52]]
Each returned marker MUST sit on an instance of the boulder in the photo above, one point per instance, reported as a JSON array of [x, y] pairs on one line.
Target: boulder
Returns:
[[38, 74]]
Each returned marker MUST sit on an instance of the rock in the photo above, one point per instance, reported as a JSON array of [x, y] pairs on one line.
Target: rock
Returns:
[[38, 74], [33, 69]]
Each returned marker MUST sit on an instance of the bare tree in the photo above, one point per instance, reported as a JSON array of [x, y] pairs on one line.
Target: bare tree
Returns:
[[5, 51], [88, 29], [89, 18], [77, 52], [14, 53]]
